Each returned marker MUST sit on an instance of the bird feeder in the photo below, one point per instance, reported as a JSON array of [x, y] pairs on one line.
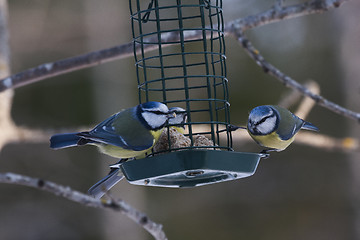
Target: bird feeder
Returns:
[[179, 51]]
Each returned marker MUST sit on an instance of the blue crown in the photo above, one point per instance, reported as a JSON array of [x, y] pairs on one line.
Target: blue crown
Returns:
[[151, 105], [261, 110]]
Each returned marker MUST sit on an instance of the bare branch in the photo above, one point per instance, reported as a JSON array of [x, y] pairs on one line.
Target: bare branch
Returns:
[[140, 218], [67, 65], [307, 103], [288, 81], [293, 96], [91, 59], [326, 142], [278, 13]]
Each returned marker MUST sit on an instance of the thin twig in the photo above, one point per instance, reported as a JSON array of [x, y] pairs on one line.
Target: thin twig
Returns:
[[140, 218], [91, 59], [292, 97], [347, 144], [288, 81], [66, 65], [307, 103], [278, 13], [6, 98]]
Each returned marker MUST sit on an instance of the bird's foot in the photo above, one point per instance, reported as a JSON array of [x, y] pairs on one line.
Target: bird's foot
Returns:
[[117, 165], [266, 152]]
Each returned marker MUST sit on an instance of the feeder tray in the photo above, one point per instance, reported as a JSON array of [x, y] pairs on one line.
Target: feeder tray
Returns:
[[190, 168]]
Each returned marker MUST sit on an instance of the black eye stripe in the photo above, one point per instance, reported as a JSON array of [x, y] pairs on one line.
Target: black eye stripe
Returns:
[[264, 119], [157, 112]]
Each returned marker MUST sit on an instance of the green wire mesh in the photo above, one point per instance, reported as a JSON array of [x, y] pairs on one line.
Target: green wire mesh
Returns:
[[179, 51]]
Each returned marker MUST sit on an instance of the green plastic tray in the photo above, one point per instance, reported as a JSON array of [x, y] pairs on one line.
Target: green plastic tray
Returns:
[[190, 168]]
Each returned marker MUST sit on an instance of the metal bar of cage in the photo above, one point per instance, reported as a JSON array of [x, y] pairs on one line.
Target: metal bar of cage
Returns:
[[193, 74]]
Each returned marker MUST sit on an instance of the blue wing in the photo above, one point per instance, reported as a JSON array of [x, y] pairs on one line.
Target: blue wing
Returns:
[[121, 130]]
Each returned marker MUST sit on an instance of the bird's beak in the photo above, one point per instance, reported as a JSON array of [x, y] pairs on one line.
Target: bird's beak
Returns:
[[234, 128], [172, 115]]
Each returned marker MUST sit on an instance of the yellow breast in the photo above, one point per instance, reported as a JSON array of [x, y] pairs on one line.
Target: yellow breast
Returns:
[[272, 141], [156, 134], [119, 152]]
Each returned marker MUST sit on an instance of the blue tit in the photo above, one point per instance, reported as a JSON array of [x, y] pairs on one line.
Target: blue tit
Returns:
[[275, 127], [130, 133], [179, 121], [115, 175]]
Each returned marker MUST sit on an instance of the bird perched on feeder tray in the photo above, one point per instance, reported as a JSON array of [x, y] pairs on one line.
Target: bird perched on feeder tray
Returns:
[[275, 127], [179, 121], [129, 133], [115, 175]]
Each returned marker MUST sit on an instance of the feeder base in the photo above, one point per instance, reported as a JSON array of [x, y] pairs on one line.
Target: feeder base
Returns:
[[190, 168]]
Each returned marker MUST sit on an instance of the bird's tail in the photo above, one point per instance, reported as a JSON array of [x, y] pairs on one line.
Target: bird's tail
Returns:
[[309, 126], [64, 140], [104, 185]]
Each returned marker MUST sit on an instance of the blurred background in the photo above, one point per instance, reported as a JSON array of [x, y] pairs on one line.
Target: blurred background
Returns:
[[300, 193]]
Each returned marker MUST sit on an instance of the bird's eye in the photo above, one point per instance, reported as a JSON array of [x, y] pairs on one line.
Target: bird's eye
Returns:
[[263, 119]]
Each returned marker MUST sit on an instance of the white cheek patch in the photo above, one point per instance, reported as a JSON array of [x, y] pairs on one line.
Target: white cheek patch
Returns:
[[154, 120], [180, 118], [267, 126], [163, 108]]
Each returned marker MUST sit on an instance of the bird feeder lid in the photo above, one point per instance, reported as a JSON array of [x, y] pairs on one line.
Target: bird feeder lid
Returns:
[[190, 168]]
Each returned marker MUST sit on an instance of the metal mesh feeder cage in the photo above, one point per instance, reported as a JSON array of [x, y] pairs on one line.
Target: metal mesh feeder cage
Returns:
[[179, 52]]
